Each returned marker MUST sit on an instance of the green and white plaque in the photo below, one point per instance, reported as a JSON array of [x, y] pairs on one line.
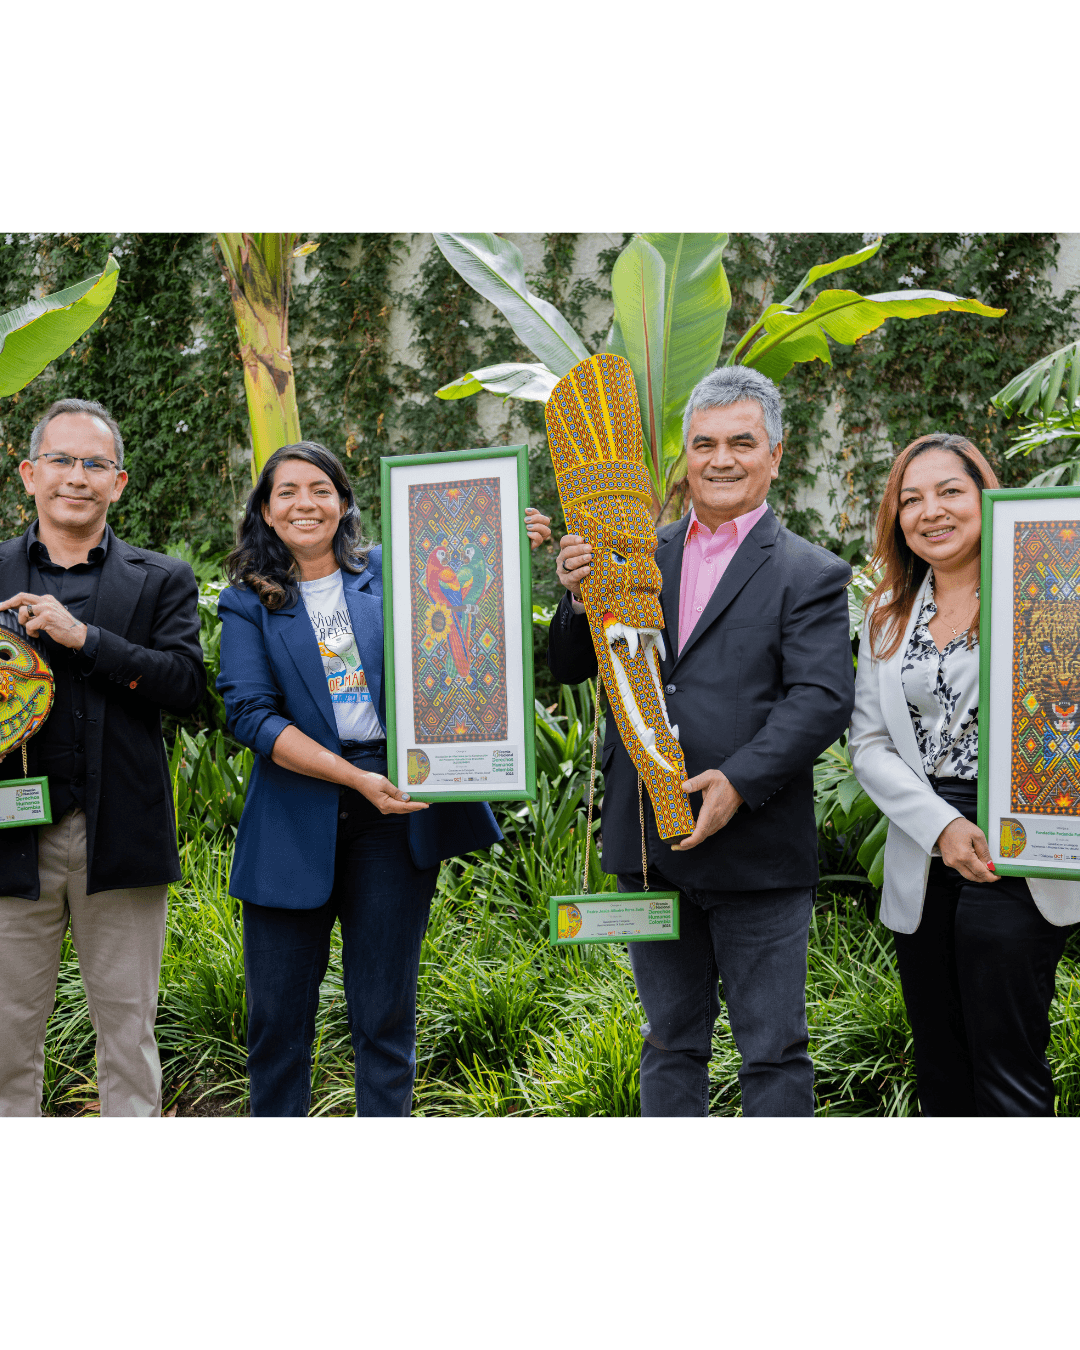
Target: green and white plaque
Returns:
[[639, 916], [24, 801]]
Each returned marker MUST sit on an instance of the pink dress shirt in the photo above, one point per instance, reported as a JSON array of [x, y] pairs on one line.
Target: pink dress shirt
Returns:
[[705, 559]]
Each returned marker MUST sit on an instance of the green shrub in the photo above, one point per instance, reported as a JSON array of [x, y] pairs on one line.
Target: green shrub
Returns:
[[209, 784]]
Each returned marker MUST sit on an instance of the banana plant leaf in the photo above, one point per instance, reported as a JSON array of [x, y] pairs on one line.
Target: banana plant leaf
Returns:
[[512, 379], [844, 316], [812, 275], [1042, 383], [637, 288], [1059, 426], [38, 332], [495, 268], [1066, 474], [697, 299]]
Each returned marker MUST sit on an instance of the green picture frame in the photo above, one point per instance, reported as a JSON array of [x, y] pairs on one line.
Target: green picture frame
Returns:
[[523, 725], [624, 916], [1009, 831]]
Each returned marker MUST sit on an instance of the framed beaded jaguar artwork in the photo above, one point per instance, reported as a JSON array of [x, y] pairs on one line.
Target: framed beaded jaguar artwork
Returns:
[[1029, 681]]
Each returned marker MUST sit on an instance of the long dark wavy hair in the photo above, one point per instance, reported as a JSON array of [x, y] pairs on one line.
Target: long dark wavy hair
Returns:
[[261, 561], [903, 572]]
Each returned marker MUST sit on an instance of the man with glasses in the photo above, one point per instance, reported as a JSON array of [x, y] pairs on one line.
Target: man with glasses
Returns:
[[120, 628]]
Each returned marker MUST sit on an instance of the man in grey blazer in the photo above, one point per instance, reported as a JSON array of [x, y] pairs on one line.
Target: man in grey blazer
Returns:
[[758, 678]]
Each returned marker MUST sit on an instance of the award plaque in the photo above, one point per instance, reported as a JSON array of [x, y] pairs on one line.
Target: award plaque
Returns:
[[633, 916], [24, 801], [628, 916]]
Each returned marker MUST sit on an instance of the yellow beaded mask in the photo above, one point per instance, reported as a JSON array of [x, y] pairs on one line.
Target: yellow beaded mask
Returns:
[[26, 691], [594, 432]]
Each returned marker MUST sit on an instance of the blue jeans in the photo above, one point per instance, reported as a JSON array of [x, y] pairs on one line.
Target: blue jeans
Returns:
[[382, 902], [755, 942]]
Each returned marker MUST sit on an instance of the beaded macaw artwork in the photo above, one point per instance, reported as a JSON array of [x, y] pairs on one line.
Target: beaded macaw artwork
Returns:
[[26, 690], [594, 434], [1046, 668], [458, 611]]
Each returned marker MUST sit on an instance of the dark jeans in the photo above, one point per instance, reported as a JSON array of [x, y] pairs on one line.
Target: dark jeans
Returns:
[[978, 978], [755, 942], [382, 902]]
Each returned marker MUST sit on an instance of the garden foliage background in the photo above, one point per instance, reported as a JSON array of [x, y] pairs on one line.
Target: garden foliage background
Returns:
[[377, 323]]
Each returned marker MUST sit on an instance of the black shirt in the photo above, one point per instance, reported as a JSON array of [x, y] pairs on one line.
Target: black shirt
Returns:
[[61, 742]]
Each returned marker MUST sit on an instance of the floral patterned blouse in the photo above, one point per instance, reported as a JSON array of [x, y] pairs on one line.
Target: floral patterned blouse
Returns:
[[942, 693]]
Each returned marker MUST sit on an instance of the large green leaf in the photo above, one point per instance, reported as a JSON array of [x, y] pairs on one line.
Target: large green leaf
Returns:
[[697, 298], [1066, 474], [1061, 425], [39, 331], [827, 269], [637, 287], [808, 279], [875, 840], [615, 344], [1042, 383], [495, 268], [844, 316], [512, 379]]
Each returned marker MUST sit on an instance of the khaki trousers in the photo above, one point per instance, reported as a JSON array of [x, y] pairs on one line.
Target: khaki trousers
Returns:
[[119, 937]]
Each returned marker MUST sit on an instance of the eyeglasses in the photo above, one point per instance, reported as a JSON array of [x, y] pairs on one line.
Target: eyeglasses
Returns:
[[92, 465]]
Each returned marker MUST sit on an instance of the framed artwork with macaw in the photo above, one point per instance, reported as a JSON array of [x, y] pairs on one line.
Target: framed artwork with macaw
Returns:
[[457, 603]]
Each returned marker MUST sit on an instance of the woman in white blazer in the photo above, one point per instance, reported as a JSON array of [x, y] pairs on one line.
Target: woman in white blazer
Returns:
[[977, 953]]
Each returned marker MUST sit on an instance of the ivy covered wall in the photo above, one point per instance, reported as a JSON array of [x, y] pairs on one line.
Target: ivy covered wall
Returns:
[[163, 359], [379, 321], [845, 422]]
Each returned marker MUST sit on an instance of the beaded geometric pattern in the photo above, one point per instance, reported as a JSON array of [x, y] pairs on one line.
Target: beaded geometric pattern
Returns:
[[458, 614], [26, 691], [594, 433], [1046, 668]]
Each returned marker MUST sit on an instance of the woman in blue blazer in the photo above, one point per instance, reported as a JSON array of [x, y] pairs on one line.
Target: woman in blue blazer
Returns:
[[325, 835]]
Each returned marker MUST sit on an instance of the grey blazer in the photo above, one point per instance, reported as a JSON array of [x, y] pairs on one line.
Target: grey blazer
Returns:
[[887, 763]]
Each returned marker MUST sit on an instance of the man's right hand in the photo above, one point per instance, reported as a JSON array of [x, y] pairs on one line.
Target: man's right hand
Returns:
[[574, 563], [964, 847]]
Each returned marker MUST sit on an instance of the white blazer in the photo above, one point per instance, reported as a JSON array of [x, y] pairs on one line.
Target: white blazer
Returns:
[[885, 756]]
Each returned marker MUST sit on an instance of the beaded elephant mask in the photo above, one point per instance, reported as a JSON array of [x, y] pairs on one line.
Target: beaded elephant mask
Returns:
[[26, 690], [594, 431]]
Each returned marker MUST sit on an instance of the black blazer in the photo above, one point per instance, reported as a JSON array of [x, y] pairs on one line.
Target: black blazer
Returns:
[[764, 685], [149, 658]]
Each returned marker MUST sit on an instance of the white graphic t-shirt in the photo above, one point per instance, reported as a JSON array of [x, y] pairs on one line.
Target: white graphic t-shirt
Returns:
[[354, 711]]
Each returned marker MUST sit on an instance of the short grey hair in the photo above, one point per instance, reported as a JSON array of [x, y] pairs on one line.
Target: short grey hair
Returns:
[[87, 408], [737, 384]]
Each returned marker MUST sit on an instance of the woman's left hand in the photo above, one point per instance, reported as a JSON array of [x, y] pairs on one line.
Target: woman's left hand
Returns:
[[538, 526], [963, 847]]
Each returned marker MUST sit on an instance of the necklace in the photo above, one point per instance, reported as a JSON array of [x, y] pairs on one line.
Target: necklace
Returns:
[[957, 631]]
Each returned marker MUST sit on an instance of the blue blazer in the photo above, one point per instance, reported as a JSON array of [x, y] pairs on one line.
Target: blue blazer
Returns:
[[272, 677]]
